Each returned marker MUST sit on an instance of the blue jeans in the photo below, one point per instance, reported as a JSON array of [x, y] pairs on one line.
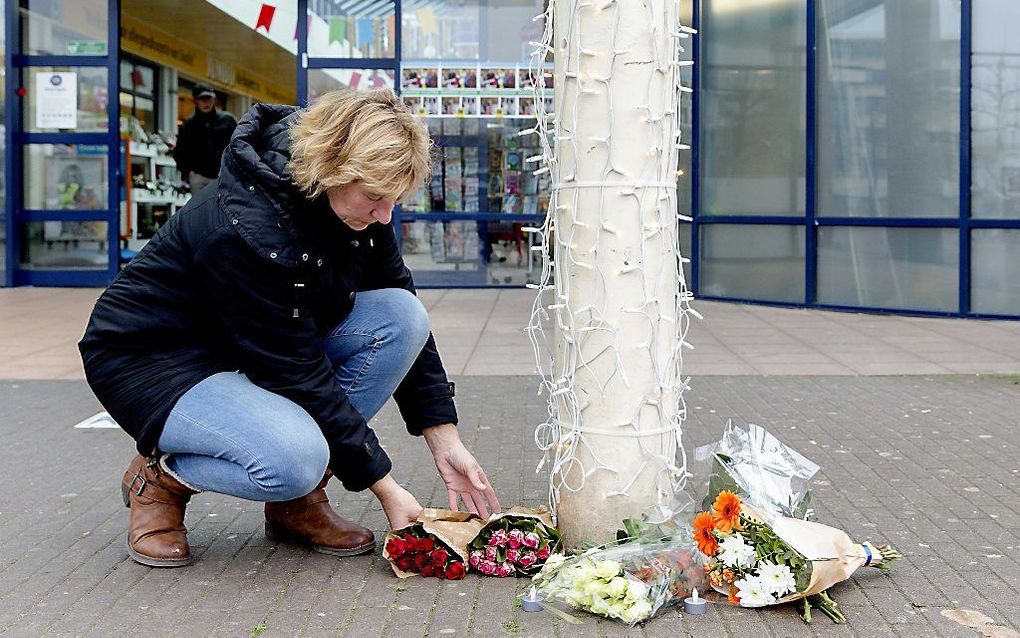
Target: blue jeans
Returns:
[[230, 436]]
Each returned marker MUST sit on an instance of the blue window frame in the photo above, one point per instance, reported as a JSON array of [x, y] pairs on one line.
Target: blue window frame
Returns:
[[814, 223]]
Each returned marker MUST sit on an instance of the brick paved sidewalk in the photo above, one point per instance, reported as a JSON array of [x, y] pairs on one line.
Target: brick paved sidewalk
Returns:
[[930, 464]]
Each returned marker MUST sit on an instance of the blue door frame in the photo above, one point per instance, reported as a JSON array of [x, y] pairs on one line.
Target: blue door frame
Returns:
[[17, 138]]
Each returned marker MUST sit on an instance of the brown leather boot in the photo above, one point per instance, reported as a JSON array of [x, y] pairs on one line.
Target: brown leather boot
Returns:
[[310, 520], [157, 536]]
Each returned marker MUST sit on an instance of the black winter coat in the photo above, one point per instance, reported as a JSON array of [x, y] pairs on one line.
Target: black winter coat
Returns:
[[201, 141], [219, 289]]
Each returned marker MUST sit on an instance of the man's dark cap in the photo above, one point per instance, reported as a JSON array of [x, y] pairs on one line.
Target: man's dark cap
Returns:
[[202, 90]]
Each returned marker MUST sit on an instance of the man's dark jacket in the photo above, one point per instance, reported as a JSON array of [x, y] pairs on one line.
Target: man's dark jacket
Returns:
[[250, 276], [201, 141]]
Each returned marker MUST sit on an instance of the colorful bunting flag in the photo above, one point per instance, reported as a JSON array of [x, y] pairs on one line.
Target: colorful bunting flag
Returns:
[[265, 17], [337, 29]]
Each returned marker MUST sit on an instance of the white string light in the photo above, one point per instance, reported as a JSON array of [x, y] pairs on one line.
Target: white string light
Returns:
[[584, 72]]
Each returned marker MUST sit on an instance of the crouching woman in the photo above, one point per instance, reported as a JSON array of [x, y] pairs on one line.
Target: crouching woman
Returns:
[[249, 343]]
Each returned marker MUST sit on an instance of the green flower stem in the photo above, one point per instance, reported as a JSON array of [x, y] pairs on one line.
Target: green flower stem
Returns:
[[830, 608], [805, 612]]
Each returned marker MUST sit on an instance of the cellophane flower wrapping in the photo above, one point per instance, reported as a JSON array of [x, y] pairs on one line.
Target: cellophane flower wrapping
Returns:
[[627, 581], [760, 469], [516, 542]]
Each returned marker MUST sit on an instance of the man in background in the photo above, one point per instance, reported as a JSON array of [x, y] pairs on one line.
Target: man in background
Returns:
[[202, 138]]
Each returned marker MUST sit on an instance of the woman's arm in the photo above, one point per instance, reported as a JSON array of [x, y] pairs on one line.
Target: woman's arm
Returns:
[[400, 506], [464, 477]]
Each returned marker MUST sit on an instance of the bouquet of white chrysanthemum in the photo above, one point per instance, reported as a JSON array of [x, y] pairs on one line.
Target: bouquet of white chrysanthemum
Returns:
[[761, 559], [629, 581]]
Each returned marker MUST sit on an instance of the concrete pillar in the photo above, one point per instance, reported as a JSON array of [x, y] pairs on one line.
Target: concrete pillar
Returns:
[[614, 298]]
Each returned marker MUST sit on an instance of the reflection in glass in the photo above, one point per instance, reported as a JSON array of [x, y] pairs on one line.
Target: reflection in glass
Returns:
[[888, 78], [508, 29], [93, 97], [995, 110], [79, 245], [906, 268], [995, 262], [351, 29], [64, 27], [324, 80], [752, 261], [461, 30], [752, 108], [65, 176], [446, 29]]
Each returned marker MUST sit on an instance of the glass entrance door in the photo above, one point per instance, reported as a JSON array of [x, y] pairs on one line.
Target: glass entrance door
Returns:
[[63, 132]]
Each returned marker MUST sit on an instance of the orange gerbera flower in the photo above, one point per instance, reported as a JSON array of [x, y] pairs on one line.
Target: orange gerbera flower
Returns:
[[732, 597], [704, 527], [727, 511]]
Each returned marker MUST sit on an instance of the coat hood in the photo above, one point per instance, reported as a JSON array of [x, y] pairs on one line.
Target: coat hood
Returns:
[[259, 151], [256, 188]]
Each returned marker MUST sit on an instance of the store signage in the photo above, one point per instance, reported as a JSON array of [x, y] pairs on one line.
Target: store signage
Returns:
[[86, 47], [56, 100], [141, 39]]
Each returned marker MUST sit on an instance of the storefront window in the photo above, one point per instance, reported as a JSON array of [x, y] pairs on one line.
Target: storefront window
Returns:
[[3, 165], [441, 29], [64, 27], [888, 78], [470, 30], [995, 262], [908, 268], [61, 245], [995, 110], [65, 177], [351, 30], [473, 253], [685, 181], [752, 108], [753, 261], [92, 97], [137, 92]]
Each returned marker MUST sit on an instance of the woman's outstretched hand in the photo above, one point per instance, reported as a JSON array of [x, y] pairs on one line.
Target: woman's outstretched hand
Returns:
[[464, 477], [400, 506]]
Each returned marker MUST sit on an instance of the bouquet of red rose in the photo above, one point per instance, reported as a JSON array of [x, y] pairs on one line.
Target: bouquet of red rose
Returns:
[[434, 545], [515, 542]]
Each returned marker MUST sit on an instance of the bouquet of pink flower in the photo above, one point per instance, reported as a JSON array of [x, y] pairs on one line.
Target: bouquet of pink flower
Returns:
[[435, 545], [515, 542]]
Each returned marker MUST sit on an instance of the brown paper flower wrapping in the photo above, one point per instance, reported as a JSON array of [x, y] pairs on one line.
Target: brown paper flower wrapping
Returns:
[[453, 529], [834, 556]]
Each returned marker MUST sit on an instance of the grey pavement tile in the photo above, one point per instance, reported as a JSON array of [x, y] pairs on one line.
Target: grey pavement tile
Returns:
[[924, 462]]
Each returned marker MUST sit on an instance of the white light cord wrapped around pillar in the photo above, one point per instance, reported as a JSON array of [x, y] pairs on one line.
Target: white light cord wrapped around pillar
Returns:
[[612, 292]]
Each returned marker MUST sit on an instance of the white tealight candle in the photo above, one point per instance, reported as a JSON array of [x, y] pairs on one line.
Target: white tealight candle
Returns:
[[531, 602], [695, 605]]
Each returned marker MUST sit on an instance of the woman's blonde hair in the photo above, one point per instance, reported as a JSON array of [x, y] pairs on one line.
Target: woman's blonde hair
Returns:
[[367, 136]]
